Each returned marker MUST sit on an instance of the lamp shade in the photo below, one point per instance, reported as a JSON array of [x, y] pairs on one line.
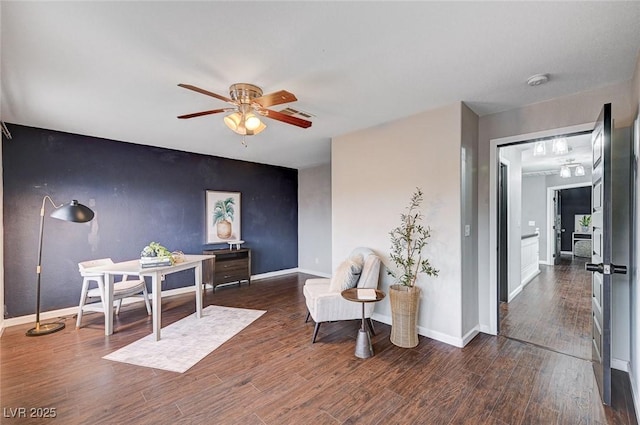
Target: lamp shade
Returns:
[[73, 212], [251, 122], [233, 121], [560, 146], [539, 149]]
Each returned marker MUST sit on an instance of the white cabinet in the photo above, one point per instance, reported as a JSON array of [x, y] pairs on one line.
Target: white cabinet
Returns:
[[529, 262]]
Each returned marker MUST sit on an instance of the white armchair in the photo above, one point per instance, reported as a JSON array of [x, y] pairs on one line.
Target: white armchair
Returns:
[[324, 302]]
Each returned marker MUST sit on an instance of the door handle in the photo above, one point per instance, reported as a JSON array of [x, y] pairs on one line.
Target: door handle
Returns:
[[605, 269]]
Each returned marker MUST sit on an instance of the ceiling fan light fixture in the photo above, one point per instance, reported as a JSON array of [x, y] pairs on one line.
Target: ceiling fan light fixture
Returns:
[[252, 122], [565, 172], [233, 121], [579, 171]]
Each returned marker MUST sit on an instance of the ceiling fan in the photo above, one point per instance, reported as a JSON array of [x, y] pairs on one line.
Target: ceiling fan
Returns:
[[249, 102]]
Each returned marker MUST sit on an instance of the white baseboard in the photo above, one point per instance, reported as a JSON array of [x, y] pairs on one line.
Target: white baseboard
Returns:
[[515, 293], [635, 395], [438, 336], [70, 311], [470, 335], [315, 273], [529, 278], [486, 329], [545, 263], [618, 364], [273, 274]]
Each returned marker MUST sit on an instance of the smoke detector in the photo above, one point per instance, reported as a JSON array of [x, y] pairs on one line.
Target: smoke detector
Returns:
[[538, 79]]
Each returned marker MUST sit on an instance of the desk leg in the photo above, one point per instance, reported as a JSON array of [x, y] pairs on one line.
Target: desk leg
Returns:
[[198, 275], [108, 304], [156, 284]]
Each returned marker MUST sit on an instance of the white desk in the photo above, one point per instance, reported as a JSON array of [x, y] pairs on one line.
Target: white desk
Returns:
[[156, 274]]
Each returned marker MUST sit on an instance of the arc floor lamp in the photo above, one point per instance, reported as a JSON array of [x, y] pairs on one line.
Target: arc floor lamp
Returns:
[[76, 213]]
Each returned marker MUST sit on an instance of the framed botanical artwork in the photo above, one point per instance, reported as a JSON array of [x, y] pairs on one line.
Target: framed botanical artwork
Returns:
[[223, 216]]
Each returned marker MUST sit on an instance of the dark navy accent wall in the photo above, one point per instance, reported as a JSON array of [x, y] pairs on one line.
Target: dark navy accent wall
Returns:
[[574, 201], [139, 194]]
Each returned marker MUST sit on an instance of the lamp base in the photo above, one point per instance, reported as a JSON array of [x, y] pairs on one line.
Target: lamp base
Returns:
[[45, 329]]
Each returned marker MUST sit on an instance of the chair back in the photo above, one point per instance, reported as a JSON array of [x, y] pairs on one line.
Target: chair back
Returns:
[[93, 263], [370, 275]]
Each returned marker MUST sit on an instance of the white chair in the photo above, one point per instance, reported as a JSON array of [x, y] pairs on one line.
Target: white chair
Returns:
[[323, 298], [121, 289]]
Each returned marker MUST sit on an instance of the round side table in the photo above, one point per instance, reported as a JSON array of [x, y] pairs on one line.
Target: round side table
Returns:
[[364, 349]]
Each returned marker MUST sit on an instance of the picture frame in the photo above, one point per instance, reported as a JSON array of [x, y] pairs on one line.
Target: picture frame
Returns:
[[222, 217]]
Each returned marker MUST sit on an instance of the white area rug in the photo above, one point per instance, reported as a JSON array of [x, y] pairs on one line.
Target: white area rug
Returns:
[[187, 341]]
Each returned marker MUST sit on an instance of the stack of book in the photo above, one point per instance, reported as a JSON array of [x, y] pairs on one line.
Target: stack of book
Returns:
[[146, 262]]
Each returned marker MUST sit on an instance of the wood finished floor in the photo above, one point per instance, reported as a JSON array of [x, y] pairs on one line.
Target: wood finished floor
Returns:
[[270, 373], [553, 310]]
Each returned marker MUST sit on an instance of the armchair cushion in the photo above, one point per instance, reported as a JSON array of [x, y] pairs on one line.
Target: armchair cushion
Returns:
[[347, 274], [325, 304]]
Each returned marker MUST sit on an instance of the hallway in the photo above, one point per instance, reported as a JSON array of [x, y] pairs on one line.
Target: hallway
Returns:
[[553, 310]]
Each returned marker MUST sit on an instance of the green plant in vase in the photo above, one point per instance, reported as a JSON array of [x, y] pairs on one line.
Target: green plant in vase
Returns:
[[155, 250], [223, 212], [407, 243], [585, 222]]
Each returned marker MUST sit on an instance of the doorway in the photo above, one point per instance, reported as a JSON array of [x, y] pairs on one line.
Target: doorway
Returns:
[[544, 293]]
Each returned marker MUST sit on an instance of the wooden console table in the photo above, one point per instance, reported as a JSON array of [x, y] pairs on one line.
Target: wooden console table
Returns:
[[228, 266]]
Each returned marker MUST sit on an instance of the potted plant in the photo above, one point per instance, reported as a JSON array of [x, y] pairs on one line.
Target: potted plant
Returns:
[[585, 222], [223, 212], [407, 242]]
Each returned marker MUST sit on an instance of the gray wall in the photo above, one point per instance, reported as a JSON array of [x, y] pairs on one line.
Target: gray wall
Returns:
[[314, 220], [621, 192], [469, 197], [634, 371], [534, 208]]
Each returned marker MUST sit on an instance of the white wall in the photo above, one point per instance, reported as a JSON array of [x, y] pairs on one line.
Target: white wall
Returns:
[[374, 173], [314, 220]]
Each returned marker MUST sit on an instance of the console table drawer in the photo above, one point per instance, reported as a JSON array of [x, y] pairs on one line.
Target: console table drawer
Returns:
[[226, 276], [231, 265]]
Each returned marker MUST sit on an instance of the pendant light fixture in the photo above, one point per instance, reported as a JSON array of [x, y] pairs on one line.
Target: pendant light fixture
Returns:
[[565, 169], [540, 148], [560, 146]]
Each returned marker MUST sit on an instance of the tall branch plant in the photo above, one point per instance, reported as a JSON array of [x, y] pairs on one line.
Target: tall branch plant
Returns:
[[407, 242]]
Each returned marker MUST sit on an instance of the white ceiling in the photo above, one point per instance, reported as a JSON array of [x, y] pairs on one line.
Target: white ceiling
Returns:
[[111, 69]]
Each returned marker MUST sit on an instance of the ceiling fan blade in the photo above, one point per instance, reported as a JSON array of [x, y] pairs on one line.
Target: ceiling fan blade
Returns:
[[275, 98], [199, 114], [285, 118], [206, 92]]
